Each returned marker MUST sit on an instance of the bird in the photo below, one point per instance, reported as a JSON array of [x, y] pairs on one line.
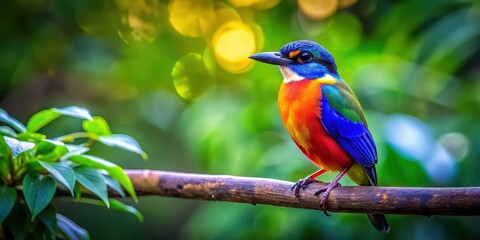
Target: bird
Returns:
[[324, 118]]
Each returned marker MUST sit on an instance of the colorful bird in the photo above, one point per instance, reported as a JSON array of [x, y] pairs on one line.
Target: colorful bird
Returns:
[[324, 118]]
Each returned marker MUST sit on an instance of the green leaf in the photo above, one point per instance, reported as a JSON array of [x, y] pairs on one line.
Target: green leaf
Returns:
[[31, 136], [71, 230], [44, 117], [4, 169], [74, 150], [4, 162], [7, 131], [18, 222], [33, 166], [75, 111], [16, 146], [113, 170], [38, 192], [7, 200], [45, 146], [98, 126], [117, 205], [49, 219], [92, 180], [114, 185], [50, 150], [62, 172], [93, 161], [123, 141], [4, 117]]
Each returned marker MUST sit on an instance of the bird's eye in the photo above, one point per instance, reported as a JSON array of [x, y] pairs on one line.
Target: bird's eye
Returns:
[[304, 57]]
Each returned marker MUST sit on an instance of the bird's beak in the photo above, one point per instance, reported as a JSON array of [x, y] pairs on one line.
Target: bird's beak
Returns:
[[274, 58]]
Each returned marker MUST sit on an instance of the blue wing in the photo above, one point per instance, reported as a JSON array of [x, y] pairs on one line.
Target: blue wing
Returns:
[[343, 120]]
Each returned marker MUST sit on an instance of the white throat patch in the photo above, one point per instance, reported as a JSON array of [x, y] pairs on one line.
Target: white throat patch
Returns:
[[291, 76]]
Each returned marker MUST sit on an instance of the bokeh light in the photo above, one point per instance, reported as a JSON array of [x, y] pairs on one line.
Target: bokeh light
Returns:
[[190, 76], [225, 44], [311, 26], [318, 9], [223, 14], [346, 3], [414, 139], [260, 4], [233, 42], [191, 18], [140, 20], [457, 144]]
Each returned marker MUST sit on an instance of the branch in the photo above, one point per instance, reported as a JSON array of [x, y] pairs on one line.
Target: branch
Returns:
[[464, 201]]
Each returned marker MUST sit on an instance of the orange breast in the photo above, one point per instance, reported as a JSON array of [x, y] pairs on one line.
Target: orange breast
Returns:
[[300, 109]]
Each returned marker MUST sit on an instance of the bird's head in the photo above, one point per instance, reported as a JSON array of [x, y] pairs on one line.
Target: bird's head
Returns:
[[301, 60]]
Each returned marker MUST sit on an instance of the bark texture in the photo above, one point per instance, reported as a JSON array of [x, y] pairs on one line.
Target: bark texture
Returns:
[[461, 201]]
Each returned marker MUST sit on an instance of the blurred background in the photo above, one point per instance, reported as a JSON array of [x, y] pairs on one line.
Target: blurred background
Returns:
[[175, 75]]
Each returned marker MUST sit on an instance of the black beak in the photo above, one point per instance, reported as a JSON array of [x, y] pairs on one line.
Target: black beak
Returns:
[[274, 58]]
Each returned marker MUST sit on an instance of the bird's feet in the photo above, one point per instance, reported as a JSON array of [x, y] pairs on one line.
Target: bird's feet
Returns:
[[327, 191], [302, 184]]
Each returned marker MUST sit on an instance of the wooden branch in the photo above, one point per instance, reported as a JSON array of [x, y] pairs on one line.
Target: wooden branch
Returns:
[[464, 201]]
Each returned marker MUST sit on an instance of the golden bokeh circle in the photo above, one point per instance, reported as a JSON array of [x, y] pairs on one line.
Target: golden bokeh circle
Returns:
[[223, 14], [191, 18], [260, 4], [233, 43], [346, 3], [318, 9]]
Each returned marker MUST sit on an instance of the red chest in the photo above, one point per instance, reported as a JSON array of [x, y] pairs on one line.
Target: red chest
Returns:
[[300, 109]]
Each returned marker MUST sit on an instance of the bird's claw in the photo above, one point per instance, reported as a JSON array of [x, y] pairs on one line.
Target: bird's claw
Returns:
[[323, 201], [301, 184], [326, 188]]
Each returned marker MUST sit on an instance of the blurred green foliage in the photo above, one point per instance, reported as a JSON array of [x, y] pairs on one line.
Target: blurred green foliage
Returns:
[[33, 167], [414, 66]]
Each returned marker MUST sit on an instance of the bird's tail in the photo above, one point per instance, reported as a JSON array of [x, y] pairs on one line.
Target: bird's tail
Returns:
[[368, 177], [379, 222]]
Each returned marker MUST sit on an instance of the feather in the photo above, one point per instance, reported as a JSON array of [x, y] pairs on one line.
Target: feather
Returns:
[[343, 119]]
